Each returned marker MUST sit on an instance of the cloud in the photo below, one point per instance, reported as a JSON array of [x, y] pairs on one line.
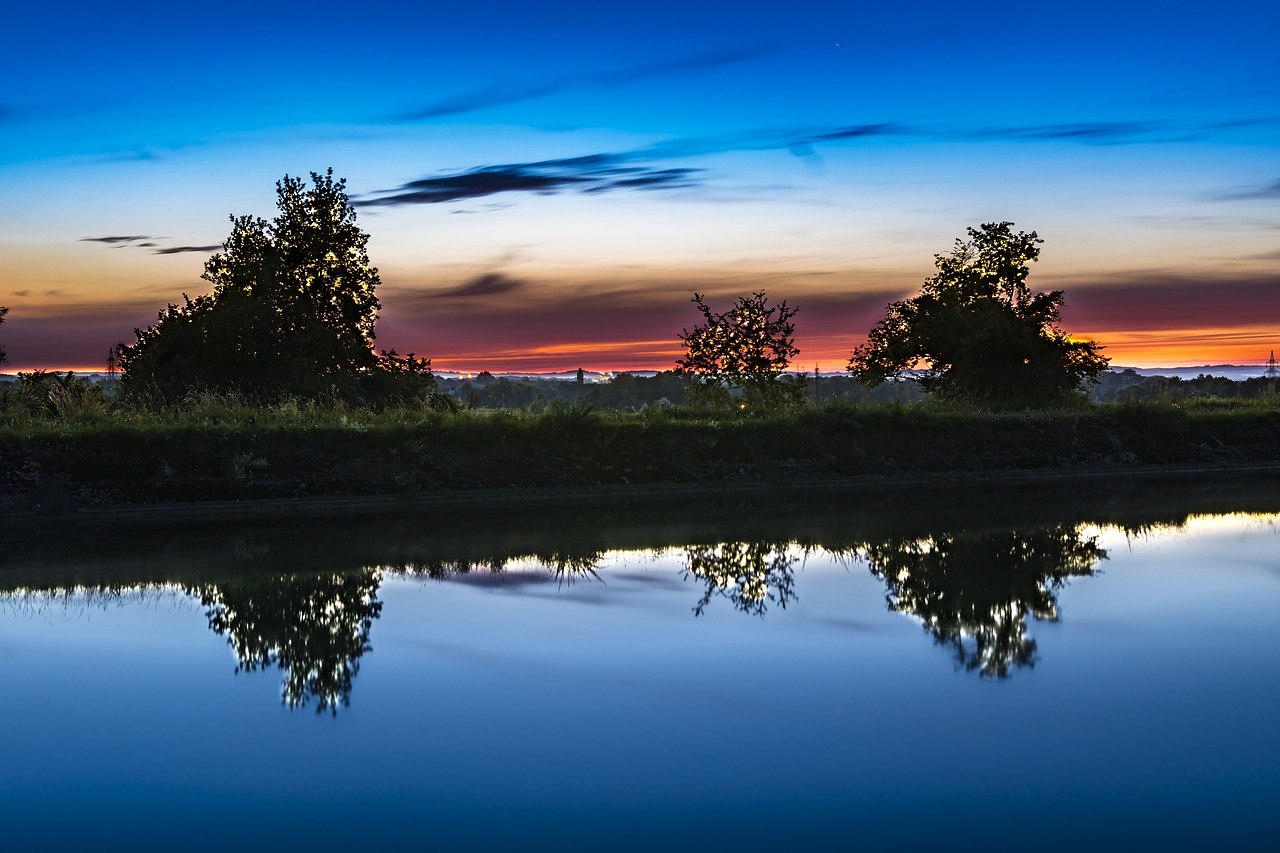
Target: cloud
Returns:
[[501, 94], [596, 173], [1268, 191], [174, 250], [116, 240], [1102, 132], [1160, 300], [144, 241], [485, 284], [622, 170]]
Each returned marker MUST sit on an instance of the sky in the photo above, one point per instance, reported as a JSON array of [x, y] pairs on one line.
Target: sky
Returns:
[[546, 185]]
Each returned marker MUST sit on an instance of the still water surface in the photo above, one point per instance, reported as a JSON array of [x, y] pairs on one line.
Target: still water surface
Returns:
[[1030, 675]]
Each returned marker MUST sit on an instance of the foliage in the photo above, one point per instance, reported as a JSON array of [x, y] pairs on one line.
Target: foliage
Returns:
[[59, 396], [291, 313], [4, 359], [749, 574], [313, 626], [982, 334], [1128, 386], [747, 347], [973, 591]]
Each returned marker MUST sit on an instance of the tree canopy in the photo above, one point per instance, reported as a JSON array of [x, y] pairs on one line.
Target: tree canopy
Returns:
[[4, 358], [748, 347], [980, 333], [292, 309]]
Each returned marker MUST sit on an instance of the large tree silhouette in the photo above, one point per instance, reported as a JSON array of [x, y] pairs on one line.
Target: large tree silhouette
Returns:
[[292, 309], [980, 333]]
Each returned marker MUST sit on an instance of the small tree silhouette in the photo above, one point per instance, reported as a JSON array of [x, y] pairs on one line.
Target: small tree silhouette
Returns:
[[747, 347]]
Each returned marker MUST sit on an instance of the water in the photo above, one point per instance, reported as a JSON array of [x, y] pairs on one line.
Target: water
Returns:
[[995, 670]]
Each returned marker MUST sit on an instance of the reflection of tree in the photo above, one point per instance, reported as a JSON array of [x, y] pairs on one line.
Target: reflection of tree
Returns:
[[974, 591], [565, 566], [749, 574], [315, 627], [568, 566]]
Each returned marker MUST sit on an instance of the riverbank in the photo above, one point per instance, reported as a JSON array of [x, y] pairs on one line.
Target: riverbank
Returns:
[[239, 464]]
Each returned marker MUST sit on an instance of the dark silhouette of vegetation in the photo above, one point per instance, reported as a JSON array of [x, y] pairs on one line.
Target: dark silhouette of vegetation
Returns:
[[748, 574], [4, 358], [623, 392], [1128, 386], [745, 349], [973, 591], [982, 335], [59, 396], [314, 627], [291, 313]]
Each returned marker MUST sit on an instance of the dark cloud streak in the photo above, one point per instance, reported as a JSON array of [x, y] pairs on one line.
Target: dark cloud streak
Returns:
[[1269, 191], [116, 240], [634, 170], [485, 284], [597, 173], [500, 95], [145, 241], [174, 250]]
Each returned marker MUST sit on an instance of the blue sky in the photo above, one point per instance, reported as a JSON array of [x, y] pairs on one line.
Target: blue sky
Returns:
[[547, 184]]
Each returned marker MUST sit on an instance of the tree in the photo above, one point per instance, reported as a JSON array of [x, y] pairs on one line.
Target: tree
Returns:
[[983, 336], [292, 309], [4, 359], [746, 347]]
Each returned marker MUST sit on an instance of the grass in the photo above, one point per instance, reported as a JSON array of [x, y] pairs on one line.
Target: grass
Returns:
[[209, 446]]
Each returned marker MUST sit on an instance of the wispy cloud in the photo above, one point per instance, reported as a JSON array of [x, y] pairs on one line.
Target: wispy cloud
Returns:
[[596, 173], [501, 94], [1098, 132], [637, 170], [116, 240], [485, 284], [144, 241], [174, 250], [1266, 191]]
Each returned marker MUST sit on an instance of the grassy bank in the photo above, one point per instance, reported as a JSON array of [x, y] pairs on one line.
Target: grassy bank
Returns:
[[213, 448]]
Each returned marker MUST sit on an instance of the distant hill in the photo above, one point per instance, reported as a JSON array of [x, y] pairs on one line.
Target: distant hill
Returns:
[[1237, 372]]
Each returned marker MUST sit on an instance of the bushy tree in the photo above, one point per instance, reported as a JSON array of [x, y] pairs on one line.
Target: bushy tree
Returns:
[[4, 359], [747, 347], [292, 309], [977, 333]]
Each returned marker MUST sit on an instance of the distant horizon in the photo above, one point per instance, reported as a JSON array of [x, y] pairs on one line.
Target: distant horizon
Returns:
[[10, 370]]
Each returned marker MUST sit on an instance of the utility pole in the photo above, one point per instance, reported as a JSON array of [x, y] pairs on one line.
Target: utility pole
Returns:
[[1272, 372], [112, 367]]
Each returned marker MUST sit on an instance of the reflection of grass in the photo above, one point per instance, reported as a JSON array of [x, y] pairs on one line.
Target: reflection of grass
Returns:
[[181, 450]]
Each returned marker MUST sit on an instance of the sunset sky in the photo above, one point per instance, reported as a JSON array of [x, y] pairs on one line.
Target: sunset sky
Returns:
[[547, 184]]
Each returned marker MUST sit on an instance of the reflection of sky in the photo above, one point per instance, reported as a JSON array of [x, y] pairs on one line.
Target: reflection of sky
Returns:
[[607, 162], [532, 712]]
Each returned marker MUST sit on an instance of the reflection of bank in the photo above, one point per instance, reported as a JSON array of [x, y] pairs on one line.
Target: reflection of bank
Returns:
[[975, 590], [312, 626]]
